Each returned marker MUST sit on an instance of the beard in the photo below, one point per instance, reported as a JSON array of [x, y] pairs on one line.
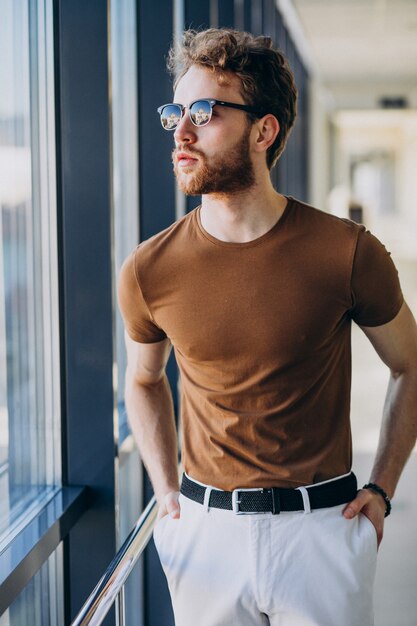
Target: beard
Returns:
[[225, 173]]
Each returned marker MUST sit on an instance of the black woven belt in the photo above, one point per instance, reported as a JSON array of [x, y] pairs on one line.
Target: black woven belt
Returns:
[[275, 499]]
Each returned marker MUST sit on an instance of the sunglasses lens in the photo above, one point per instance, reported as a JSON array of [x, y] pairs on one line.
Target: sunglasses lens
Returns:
[[200, 112], [170, 116]]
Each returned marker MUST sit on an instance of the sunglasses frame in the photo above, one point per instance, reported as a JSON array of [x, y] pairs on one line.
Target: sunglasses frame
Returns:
[[212, 102]]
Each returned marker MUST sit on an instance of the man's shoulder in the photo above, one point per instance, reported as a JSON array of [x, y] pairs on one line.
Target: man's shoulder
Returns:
[[174, 235], [315, 218]]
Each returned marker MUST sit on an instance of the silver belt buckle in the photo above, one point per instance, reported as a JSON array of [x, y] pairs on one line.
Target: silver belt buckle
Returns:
[[236, 502]]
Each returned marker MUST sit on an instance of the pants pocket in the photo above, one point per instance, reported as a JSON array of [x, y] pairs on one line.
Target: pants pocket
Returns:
[[369, 528], [158, 530]]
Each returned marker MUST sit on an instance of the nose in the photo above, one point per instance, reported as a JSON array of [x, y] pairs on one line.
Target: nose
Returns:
[[185, 133]]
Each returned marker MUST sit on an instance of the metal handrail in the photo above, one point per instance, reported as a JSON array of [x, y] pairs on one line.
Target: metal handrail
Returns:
[[111, 584]]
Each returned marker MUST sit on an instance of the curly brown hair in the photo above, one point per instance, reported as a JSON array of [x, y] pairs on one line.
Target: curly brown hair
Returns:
[[265, 75]]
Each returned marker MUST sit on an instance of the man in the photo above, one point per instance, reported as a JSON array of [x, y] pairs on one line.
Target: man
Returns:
[[256, 291]]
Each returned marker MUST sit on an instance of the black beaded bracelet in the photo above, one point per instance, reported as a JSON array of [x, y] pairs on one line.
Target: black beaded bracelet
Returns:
[[382, 493]]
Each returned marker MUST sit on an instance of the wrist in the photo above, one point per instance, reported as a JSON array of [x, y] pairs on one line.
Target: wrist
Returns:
[[381, 492], [162, 493]]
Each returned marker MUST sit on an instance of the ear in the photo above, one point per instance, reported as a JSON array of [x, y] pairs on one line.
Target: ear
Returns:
[[266, 130]]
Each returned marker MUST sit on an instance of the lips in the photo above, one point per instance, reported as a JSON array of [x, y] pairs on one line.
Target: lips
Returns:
[[184, 158]]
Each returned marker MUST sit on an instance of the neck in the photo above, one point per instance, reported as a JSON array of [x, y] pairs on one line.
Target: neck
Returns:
[[242, 216]]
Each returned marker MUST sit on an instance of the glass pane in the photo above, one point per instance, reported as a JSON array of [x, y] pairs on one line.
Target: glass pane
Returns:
[[41, 601], [126, 236], [29, 347], [125, 157], [130, 495]]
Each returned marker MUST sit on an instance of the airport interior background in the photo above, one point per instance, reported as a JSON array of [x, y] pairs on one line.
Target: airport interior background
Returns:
[[85, 174]]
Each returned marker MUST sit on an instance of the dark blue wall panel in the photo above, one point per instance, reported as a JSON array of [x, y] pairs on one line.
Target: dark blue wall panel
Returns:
[[157, 185], [156, 212], [86, 302]]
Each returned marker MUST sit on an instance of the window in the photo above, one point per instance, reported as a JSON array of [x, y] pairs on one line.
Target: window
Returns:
[[40, 602], [125, 158], [30, 464], [126, 236]]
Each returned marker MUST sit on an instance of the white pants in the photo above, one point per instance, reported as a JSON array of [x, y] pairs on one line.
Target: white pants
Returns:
[[291, 569]]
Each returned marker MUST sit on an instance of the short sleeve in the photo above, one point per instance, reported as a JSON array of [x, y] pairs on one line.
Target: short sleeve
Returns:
[[135, 312], [375, 286]]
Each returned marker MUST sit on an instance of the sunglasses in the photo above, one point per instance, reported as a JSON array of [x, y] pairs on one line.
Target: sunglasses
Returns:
[[200, 112]]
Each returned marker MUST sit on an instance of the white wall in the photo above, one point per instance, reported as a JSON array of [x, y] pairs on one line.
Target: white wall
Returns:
[[321, 106], [393, 132]]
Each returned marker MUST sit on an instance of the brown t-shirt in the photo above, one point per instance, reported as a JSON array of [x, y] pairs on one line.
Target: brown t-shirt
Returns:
[[261, 332]]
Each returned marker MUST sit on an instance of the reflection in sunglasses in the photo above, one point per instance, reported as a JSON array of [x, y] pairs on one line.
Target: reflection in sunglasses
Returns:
[[200, 117], [200, 112], [170, 121]]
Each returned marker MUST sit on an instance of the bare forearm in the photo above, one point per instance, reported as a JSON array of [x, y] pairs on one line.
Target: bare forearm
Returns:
[[151, 416], [398, 432]]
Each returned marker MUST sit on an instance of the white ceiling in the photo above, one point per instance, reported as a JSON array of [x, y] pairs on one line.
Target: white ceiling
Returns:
[[357, 41]]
